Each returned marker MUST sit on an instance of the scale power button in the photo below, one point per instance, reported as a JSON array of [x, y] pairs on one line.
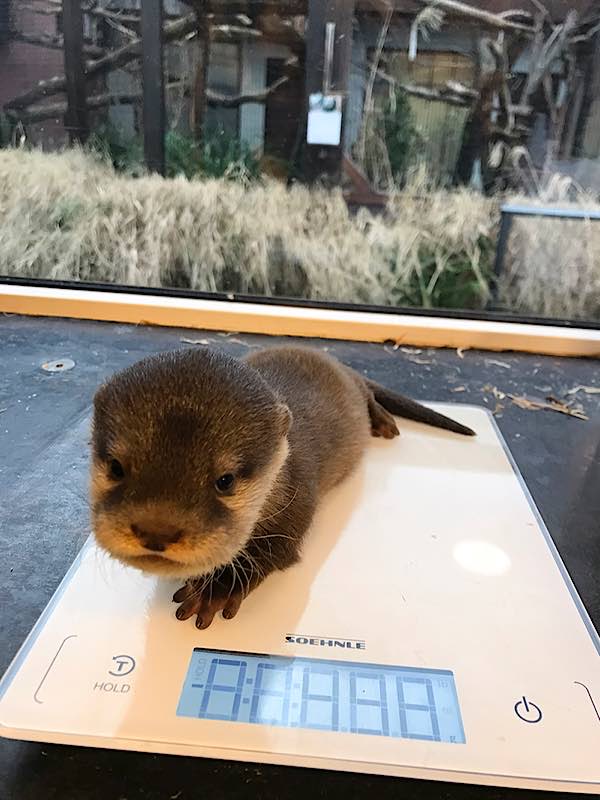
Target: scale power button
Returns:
[[528, 711]]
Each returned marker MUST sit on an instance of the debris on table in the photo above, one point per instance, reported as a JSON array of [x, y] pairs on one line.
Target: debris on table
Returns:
[[586, 389], [549, 404], [499, 407], [495, 391], [244, 344], [495, 363], [460, 351], [420, 360], [411, 352], [195, 341]]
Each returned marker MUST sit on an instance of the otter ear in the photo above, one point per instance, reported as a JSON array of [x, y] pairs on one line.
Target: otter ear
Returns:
[[284, 416]]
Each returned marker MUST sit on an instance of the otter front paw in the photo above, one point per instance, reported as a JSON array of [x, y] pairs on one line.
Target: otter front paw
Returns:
[[204, 600]]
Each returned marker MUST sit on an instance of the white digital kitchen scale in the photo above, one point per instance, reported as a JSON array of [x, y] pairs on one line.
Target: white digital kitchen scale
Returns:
[[430, 631]]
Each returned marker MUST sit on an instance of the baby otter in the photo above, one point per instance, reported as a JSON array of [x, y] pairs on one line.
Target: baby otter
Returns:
[[209, 468]]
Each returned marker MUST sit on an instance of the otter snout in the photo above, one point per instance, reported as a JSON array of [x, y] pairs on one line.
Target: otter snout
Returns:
[[156, 534]]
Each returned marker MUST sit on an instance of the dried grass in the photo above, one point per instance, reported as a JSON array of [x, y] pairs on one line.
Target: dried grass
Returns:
[[71, 216], [552, 267]]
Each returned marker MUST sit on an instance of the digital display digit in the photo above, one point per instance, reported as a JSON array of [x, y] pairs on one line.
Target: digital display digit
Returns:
[[317, 694]]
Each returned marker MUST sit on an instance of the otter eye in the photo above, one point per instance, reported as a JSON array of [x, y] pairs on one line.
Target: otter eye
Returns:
[[116, 470], [225, 482]]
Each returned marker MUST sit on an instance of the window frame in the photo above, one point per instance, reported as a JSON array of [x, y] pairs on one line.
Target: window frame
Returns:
[[298, 318]]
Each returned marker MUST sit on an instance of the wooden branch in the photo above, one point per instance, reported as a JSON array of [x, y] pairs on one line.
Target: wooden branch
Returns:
[[381, 6], [129, 17], [43, 11], [113, 60], [461, 90], [456, 8], [54, 43], [368, 103], [442, 95], [585, 37], [253, 7], [115, 16], [546, 52], [236, 30], [234, 101], [574, 115], [453, 93], [541, 8], [116, 25], [56, 110]]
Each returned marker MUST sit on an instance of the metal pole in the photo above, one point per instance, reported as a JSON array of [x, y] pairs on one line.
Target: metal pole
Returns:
[[503, 236], [328, 53], [76, 118], [153, 85]]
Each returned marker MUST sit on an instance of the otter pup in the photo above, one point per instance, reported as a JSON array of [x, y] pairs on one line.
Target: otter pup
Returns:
[[209, 468]]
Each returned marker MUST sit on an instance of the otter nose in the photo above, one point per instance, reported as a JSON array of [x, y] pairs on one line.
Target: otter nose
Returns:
[[156, 537]]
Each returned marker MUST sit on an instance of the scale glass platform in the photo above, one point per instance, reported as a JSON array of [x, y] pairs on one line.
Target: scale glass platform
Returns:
[[430, 631]]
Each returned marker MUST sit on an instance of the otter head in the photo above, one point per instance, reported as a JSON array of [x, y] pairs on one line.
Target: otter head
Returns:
[[187, 447]]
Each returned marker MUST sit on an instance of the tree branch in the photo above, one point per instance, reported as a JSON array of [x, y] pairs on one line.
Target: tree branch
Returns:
[[457, 8], [453, 93], [44, 11], [54, 43], [113, 60], [544, 54], [442, 95], [236, 30], [56, 110], [234, 101]]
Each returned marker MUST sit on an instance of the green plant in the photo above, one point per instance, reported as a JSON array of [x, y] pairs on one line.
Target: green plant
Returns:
[[391, 140], [126, 154], [183, 155], [224, 156], [447, 279], [219, 155], [399, 133], [5, 130]]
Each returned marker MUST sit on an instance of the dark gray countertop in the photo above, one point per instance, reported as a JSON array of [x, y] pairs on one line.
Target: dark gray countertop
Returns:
[[43, 522]]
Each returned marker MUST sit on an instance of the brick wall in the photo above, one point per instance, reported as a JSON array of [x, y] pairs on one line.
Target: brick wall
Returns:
[[23, 65]]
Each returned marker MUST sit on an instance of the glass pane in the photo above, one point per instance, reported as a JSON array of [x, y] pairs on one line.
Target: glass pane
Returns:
[[365, 154]]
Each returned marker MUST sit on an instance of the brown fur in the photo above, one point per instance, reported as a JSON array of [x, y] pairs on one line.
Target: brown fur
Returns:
[[289, 423]]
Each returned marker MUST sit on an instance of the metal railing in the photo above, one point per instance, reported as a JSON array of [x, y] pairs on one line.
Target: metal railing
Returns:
[[511, 210]]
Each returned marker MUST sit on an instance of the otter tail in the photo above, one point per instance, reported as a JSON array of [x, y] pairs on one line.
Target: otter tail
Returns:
[[402, 406]]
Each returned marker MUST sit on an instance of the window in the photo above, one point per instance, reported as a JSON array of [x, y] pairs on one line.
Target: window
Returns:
[[359, 158]]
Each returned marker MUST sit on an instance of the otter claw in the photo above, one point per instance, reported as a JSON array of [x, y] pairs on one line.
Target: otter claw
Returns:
[[205, 604], [181, 594]]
